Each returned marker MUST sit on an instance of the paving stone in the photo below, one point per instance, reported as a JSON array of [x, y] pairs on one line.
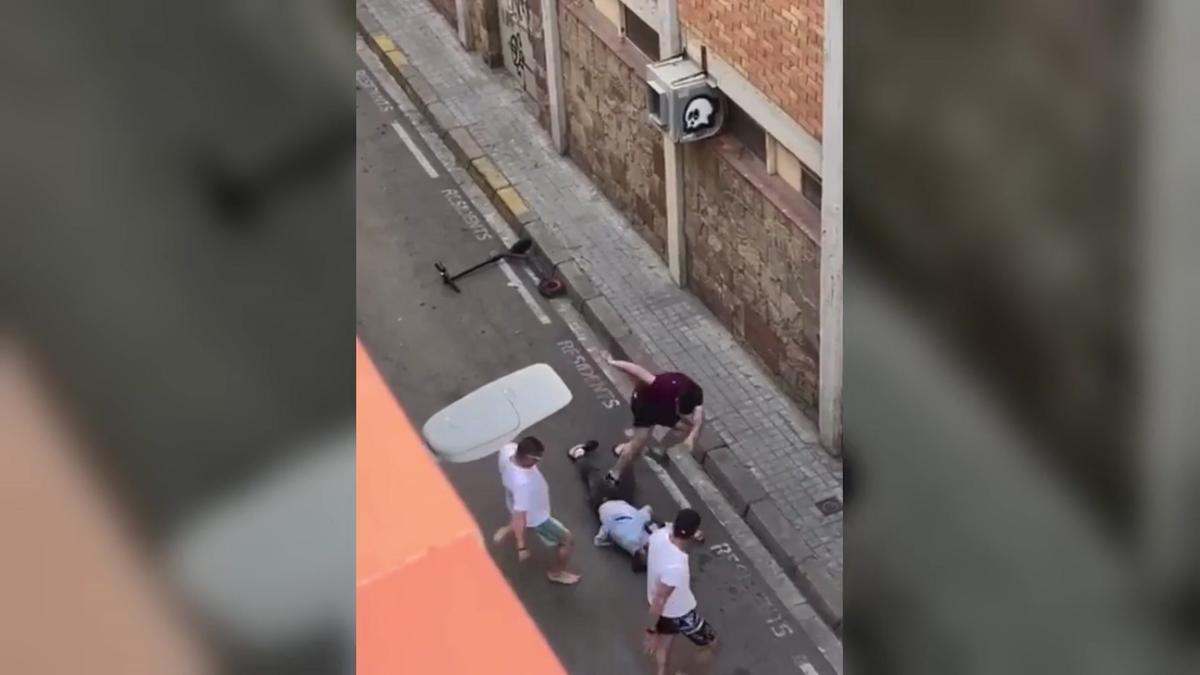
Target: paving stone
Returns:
[[463, 144], [579, 286], [737, 484]]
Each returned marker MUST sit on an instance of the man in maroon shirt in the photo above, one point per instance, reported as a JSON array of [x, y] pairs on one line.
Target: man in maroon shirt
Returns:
[[670, 400]]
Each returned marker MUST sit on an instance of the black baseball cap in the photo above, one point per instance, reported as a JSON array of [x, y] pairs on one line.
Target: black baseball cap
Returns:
[[687, 521]]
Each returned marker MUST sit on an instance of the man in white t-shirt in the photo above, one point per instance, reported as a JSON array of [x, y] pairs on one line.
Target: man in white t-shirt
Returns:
[[668, 588], [527, 497]]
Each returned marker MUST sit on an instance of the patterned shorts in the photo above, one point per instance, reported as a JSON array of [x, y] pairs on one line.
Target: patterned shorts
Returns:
[[690, 625]]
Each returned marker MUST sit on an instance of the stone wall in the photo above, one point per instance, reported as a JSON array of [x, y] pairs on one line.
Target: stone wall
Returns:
[[608, 133], [447, 9], [485, 32], [778, 45], [754, 259]]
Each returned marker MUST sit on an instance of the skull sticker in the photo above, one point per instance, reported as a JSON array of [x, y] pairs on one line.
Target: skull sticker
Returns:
[[700, 114]]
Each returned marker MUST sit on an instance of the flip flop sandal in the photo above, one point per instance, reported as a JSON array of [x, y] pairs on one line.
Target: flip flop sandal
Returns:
[[572, 582]]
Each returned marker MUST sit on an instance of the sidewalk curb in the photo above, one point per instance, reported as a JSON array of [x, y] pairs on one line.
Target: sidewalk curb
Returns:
[[738, 485]]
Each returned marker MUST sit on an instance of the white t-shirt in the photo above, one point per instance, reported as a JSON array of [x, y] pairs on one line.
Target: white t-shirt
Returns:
[[506, 454], [524, 489], [666, 563]]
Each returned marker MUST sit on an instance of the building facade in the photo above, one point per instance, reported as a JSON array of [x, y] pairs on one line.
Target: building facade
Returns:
[[738, 216]]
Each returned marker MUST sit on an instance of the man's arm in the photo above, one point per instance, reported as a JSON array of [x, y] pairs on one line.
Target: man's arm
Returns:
[[697, 420], [661, 593], [518, 529], [601, 538], [633, 370]]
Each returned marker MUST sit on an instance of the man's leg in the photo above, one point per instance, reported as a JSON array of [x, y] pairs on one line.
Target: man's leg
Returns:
[[705, 639], [702, 663], [586, 466], [632, 449], [674, 437], [662, 654], [555, 533]]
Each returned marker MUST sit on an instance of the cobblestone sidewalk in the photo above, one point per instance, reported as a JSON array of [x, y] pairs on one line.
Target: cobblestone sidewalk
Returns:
[[761, 426]]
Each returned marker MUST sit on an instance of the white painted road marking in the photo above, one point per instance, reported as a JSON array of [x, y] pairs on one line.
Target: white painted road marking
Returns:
[[515, 282], [412, 147]]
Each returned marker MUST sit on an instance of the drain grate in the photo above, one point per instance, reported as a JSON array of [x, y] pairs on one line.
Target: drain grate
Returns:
[[829, 506]]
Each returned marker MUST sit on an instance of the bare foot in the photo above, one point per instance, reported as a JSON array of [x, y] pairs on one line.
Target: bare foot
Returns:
[[501, 534], [565, 578]]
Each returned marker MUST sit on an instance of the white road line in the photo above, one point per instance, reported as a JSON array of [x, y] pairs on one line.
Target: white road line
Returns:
[[669, 483], [515, 282], [412, 147]]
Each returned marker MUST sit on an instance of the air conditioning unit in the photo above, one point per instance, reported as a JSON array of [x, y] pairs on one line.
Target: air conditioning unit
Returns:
[[683, 100]]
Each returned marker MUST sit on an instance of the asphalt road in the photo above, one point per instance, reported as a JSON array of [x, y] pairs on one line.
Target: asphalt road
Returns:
[[433, 346]]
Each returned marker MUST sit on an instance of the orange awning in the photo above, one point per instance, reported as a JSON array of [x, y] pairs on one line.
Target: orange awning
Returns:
[[430, 600]]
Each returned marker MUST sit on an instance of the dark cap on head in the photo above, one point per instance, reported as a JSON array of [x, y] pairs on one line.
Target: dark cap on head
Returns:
[[687, 521]]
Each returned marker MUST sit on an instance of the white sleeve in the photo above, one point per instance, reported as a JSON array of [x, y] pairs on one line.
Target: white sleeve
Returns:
[[601, 538]]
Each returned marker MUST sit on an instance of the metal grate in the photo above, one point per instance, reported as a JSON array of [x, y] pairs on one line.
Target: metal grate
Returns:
[[829, 506]]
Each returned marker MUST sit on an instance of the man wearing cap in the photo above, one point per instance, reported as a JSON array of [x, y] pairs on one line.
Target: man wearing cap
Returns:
[[668, 588]]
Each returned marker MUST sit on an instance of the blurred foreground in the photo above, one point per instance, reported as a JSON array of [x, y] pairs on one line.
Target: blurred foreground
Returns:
[[178, 272]]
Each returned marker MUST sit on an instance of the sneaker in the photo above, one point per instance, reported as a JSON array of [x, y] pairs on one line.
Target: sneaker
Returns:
[[577, 452]]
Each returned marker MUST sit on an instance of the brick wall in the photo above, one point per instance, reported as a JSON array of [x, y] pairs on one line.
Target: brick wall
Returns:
[[754, 260], [777, 45], [609, 136]]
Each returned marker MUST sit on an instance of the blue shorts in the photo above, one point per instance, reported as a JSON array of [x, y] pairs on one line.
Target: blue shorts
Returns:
[[552, 532]]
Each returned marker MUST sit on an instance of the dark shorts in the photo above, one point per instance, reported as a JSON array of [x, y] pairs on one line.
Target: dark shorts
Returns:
[[646, 415], [690, 625]]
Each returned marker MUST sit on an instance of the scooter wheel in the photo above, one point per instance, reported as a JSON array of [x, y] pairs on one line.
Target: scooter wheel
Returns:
[[551, 288]]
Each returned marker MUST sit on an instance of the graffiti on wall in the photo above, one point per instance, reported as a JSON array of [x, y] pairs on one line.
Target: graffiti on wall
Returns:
[[516, 29], [516, 14], [517, 50]]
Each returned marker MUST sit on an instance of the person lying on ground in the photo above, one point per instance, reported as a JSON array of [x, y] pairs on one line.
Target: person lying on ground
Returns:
[[621, 523]]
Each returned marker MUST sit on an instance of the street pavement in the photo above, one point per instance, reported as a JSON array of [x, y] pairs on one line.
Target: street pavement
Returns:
[[433, 346]]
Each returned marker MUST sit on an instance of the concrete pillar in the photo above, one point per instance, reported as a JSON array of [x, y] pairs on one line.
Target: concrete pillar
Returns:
[[670, 43], [830, 384], [463, 9], [1170, 320], [554, 75]]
